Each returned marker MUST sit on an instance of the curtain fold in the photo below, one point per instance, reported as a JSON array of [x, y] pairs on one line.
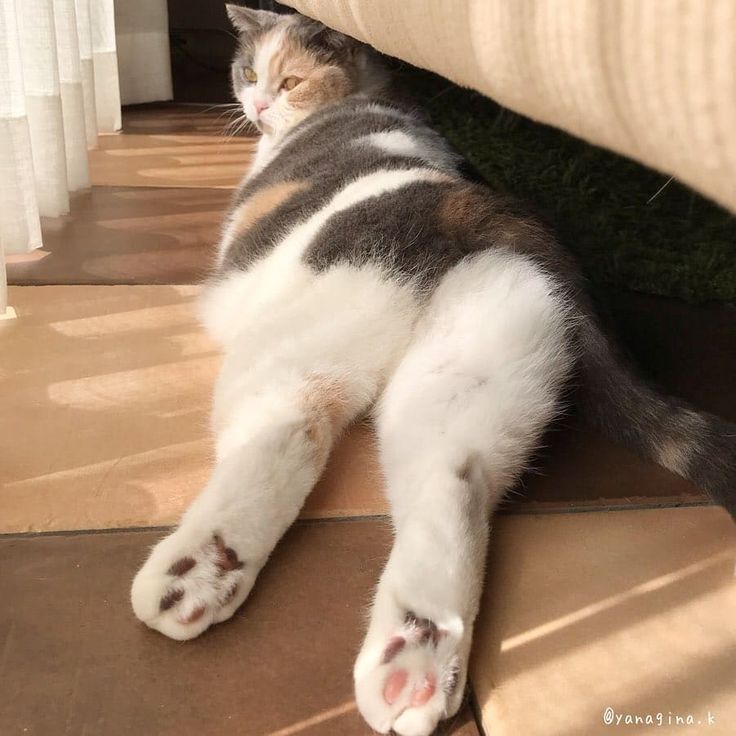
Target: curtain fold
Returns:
[[49, 108], [105, 66], [20, 228], [40, 77], [72, 96], [86, 69], [60, 87]]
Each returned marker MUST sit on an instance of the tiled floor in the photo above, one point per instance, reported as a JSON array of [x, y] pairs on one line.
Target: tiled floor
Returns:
[[127, 235], [633, 610], [103, 424], [183, 146], [81, 664]]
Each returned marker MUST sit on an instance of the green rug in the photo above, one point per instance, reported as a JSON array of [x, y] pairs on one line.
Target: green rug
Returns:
[[605, 208]]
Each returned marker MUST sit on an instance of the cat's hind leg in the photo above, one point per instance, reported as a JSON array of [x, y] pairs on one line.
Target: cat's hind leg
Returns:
[[457, 423], [272, 447]]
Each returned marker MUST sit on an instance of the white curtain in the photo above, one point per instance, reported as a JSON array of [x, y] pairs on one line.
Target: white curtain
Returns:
[[63, 66], [49, 111], [142, 28]]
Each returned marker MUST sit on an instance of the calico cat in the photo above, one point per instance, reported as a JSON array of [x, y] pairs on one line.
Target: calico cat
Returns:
[[360, 270]]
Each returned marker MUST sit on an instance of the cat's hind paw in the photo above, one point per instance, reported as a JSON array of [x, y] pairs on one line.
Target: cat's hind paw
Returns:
[[188, 584], [412, 680]]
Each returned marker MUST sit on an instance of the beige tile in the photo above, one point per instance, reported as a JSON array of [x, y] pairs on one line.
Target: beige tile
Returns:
[[172, 146], [134, 160], [633, 610], [104, 411], [110, 388]]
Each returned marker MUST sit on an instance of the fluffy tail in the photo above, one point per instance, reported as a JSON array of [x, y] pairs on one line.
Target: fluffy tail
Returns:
[[698, 446]]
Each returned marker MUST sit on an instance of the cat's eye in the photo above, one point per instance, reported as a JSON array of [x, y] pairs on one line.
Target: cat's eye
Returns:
[[250, 75], [290, 82]]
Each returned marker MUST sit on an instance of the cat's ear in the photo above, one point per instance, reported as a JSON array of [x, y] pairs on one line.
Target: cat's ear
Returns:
[[249, 20]]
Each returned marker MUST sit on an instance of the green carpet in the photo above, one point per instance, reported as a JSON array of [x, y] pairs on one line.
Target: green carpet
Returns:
[[603, 206]]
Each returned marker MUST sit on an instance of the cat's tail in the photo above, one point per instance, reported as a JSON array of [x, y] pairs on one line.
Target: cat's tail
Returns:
[[697, 446]]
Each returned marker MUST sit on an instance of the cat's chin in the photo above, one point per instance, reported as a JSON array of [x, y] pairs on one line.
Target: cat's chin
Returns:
[[263, 127]]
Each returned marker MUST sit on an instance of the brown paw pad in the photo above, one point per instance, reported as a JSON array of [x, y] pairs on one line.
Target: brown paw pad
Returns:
[[423, 631], [195, 615], [229, 595], [227, 557], [181, 567], [394, 646], [170, 599]]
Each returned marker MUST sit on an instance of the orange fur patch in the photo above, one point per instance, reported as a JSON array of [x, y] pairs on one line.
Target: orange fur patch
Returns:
[[321, 83], [462, 206], [327, 413], [327, 84], [264, 201], [291, 60]]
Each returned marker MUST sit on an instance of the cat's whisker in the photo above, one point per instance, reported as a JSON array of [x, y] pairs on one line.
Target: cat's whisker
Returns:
[[219, 106], [230, 114], [239, 125], [232, 125]]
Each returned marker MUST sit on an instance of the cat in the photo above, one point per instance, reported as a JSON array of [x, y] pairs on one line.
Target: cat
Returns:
[[362, 270]]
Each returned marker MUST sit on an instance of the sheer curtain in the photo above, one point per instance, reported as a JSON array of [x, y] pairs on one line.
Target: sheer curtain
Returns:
[[60, 86], [49, 111]]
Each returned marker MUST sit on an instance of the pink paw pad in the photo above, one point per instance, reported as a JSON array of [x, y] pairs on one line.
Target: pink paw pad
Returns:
[[420, 693], [424, 691], [417, 633], [394, 685]]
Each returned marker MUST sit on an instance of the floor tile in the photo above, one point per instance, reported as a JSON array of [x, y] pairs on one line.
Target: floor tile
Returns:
[[172, 146], [580, 468], [110, 389], [632, 610], [120, 235], [76, 661], [104, 414]]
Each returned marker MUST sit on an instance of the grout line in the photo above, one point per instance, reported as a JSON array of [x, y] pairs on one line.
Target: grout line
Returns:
[[365, 517], [530, 509], [83, 532], [134, 529]]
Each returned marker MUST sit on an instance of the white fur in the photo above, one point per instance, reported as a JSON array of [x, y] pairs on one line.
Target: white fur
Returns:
[[456, 424], [392, 141], [399, 143], [282, 272]]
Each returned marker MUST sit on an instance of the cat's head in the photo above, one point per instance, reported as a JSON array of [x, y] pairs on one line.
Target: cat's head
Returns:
[[288, 66]]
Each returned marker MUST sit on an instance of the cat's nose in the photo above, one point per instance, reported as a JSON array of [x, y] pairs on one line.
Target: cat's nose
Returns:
[[260, 106]]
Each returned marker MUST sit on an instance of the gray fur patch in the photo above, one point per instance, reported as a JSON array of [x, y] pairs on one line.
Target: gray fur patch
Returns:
[[302, 157]]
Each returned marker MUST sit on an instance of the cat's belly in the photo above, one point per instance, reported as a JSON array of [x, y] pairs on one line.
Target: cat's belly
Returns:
[[275, 321]]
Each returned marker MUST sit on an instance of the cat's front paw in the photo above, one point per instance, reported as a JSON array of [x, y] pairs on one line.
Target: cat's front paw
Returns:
[[188, 583], [410, 678]]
